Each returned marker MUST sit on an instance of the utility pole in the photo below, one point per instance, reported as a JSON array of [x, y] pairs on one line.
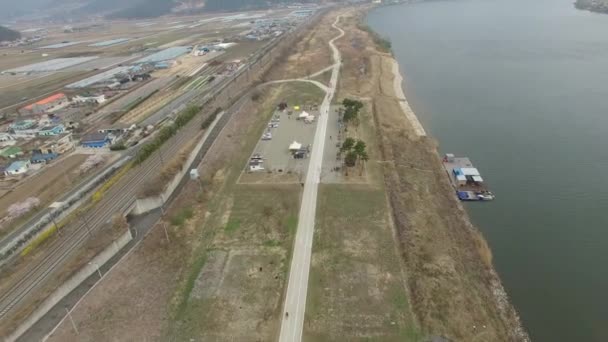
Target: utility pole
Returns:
[[55, 223], [166, 233]]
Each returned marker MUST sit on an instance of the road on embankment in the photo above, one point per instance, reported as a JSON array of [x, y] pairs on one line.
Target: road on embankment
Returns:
[[295, 299]]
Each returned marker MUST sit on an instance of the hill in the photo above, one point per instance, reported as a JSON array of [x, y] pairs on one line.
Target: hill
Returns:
[[7, 34], [233, 5], [592, 5]]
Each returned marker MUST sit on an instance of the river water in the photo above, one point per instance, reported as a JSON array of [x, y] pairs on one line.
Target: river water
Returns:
[[521, 87]]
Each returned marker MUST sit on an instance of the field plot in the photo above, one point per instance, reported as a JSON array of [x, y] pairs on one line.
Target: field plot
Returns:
[[237, 294], [357, 288], [51, 65], [37, 87]]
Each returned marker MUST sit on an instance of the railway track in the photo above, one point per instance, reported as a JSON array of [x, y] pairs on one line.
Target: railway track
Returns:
[[117, 200]]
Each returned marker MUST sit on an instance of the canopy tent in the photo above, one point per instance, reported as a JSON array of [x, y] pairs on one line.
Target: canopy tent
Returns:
[[303, 115], [295, 146]]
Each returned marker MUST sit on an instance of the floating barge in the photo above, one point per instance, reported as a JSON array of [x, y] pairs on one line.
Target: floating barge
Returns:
[[466, 179]]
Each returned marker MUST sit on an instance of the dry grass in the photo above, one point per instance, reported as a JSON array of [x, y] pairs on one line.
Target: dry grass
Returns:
[[357, 290], [157, 184], [309, 55], [140, 298], [454, 289]]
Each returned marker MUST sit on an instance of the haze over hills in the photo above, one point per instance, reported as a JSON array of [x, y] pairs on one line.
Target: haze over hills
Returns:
[[69, 9], [592, 5]]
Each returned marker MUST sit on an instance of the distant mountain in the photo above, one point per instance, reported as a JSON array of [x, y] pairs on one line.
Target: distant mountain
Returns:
[[233, 5], [592, 5], [133, 9], [128, 9], [7, 34]]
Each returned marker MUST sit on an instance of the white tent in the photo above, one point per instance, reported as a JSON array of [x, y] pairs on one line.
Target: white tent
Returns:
[[295, 146], [303, 115], [309, 118]]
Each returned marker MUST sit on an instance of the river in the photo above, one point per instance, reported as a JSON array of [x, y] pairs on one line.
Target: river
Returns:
[[521, 87]]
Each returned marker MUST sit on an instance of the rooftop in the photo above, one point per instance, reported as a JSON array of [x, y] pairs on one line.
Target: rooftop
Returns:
[[164, 55], [47, 100], [17, 165], [94, 137]]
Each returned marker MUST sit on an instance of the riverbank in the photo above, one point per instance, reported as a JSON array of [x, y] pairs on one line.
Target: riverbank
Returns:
[[405, 106], [455, 291], [499, 294], [599, 6]]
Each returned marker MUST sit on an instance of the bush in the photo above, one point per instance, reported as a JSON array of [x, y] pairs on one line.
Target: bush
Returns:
[[118, 147], [182, 216]]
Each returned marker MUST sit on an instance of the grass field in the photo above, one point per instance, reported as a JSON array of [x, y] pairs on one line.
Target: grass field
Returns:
[[234, 286], [235, 289], [357, 288]]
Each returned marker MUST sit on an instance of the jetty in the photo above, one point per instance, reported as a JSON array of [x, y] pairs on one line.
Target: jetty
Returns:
[[466, 179]]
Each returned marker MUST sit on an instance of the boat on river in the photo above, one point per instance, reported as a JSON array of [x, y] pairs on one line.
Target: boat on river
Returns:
[[466, 179]]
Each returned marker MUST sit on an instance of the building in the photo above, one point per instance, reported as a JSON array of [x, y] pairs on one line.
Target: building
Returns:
[[17, 168], [59, 144], [24, 129], [7, 139], [95, 140], [11, 152], [51, 130], [116, 129], [99, 99], [49, 104], [40, 158]]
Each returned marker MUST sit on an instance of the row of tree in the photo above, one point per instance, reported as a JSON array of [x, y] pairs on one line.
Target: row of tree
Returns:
[[166, 133], [355, 150]]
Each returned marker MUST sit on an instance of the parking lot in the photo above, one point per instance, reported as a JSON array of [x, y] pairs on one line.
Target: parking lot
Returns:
[[277, 163]]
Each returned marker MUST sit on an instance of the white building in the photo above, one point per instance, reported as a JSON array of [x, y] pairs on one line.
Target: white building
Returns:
[[89, 99]]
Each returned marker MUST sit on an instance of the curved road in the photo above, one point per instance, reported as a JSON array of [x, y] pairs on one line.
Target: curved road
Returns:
[[295, 300]]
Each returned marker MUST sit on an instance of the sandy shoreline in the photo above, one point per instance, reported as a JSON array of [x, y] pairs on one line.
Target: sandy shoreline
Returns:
[[405, 106]]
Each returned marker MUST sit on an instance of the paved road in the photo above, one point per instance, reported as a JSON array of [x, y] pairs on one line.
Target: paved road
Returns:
[[295, 300]]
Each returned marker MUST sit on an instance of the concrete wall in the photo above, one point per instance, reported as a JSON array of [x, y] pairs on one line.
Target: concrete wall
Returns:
[[150, 203], [71, 284]]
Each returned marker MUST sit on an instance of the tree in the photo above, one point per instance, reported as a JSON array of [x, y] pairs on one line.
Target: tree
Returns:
[[350, 159], [351, 109], [359, 147], [347, 145]]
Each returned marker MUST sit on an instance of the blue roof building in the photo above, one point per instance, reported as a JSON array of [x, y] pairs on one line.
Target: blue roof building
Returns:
[[95, 140], [51, 130], [43, 157], [17, 168]]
